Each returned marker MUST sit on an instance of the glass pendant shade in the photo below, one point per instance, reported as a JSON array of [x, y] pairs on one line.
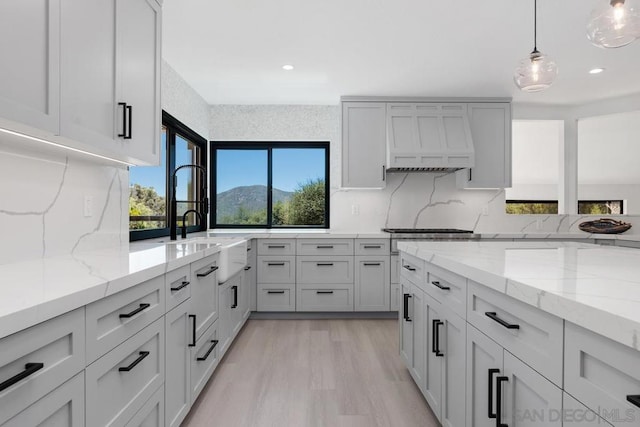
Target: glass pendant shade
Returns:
[[536, 72], [614, 23]]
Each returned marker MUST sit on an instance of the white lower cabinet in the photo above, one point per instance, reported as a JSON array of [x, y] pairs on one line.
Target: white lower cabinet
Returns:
[[372, 286], [204, 293], [204, 359], [225, 308], [63, 407], [575, 413], [413, 333], [152, 412], [178, 329]]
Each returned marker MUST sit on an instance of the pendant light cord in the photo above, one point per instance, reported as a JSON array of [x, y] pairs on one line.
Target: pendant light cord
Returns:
[[535, 26]]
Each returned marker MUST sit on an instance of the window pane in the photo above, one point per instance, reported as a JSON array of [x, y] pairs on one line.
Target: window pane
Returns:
[[600, 207], [188, 179], [147, 193], [241, 187], [298, 186], [533, 207]]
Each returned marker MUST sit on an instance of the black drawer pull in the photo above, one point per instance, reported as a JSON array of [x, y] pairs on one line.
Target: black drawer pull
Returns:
[[247, 268], [372, 246], [371, 263], [275, 246], [206, 355], [124, 120], [490, 413], [208, 272], [140, 358], [494, 316], [324, 264], [438, 285], [275, 292], [270, 264], [29, 369], [632, 398], [177, 288], [406, 308], [193, 331], [324, 246], [136, 311], [408, 267], [324, 292], [499, 382], [435, 337], [235, 296]]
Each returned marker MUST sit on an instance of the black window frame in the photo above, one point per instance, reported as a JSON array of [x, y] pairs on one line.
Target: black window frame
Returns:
[[269, 146], [176, 127]]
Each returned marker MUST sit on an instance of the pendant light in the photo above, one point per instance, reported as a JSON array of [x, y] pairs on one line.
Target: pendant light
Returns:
[[537, 71], [614, 23]]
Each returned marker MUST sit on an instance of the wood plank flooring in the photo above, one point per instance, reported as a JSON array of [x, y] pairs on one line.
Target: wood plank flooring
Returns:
[[312, 373]]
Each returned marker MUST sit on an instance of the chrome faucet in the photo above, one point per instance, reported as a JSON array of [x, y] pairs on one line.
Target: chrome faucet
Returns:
[[173, 217]]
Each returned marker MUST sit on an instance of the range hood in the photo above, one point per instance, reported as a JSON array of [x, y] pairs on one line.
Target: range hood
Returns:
[[428, 137]]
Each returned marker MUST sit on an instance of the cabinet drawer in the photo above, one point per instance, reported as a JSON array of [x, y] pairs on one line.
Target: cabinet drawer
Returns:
[[326, 269], [277, 269], [152, 413], [204, 293], [372, 246], [576, 414], [276, 298], [601, 374], [63, 407], [447, 288], [538, 341], [412, 268], [276, 247], [204, 359], [57, 344], [324, 297], [119, 383], [112, 320], [324, 247], [178, 286]]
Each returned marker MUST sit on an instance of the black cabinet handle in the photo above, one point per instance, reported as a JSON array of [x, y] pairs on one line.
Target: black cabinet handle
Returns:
[[499, 382], [383, 173], [632, 398], [435, 337], [275, 263], [275, 246], [371, 263], [133, 364], [494, 316], [408, 267], [324, 246], [490, 412], [208, 272], [470, 176], [324, 264], [438, 285], [406, 308], [193, 331], [182, 285], [324, 292], [136, 311], [235, 296], [29, 369], [247, 268], [206, 355], [130, 122], [124, 120], [372, 247], [275, 292]]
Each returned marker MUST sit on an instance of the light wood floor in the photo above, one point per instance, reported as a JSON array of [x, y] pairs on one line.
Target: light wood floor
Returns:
[[302, 373]]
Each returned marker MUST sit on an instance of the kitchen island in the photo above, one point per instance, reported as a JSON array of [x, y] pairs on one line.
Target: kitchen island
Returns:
[[523, 331]]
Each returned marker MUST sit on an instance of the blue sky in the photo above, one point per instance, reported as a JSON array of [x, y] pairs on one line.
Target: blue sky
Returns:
[[291, 167]]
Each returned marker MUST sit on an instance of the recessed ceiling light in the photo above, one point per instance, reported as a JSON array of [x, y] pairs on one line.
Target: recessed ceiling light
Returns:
[[287, 67], [596, 70]]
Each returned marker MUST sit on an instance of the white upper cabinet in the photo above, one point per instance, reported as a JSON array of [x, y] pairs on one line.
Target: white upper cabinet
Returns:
[[491, 130], [30, 74], [363, 144], [428, 135]]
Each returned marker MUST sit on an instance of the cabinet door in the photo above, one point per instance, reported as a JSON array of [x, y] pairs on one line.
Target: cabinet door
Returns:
[[238, 307], [575, 413], [30, 75], [225, 318], [491, 133], [483, 355], [433, 334], [138, 76], [529, 399], [245, 294], [204, 293], [178, 363], [363, 144], [88, 79], [453, 340], [406, 323], [372, 284]]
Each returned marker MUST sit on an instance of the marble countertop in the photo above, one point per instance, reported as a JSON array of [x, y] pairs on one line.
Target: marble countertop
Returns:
[[596, 287]]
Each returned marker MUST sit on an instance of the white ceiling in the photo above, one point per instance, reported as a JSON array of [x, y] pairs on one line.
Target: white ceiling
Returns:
[[232, 51]]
